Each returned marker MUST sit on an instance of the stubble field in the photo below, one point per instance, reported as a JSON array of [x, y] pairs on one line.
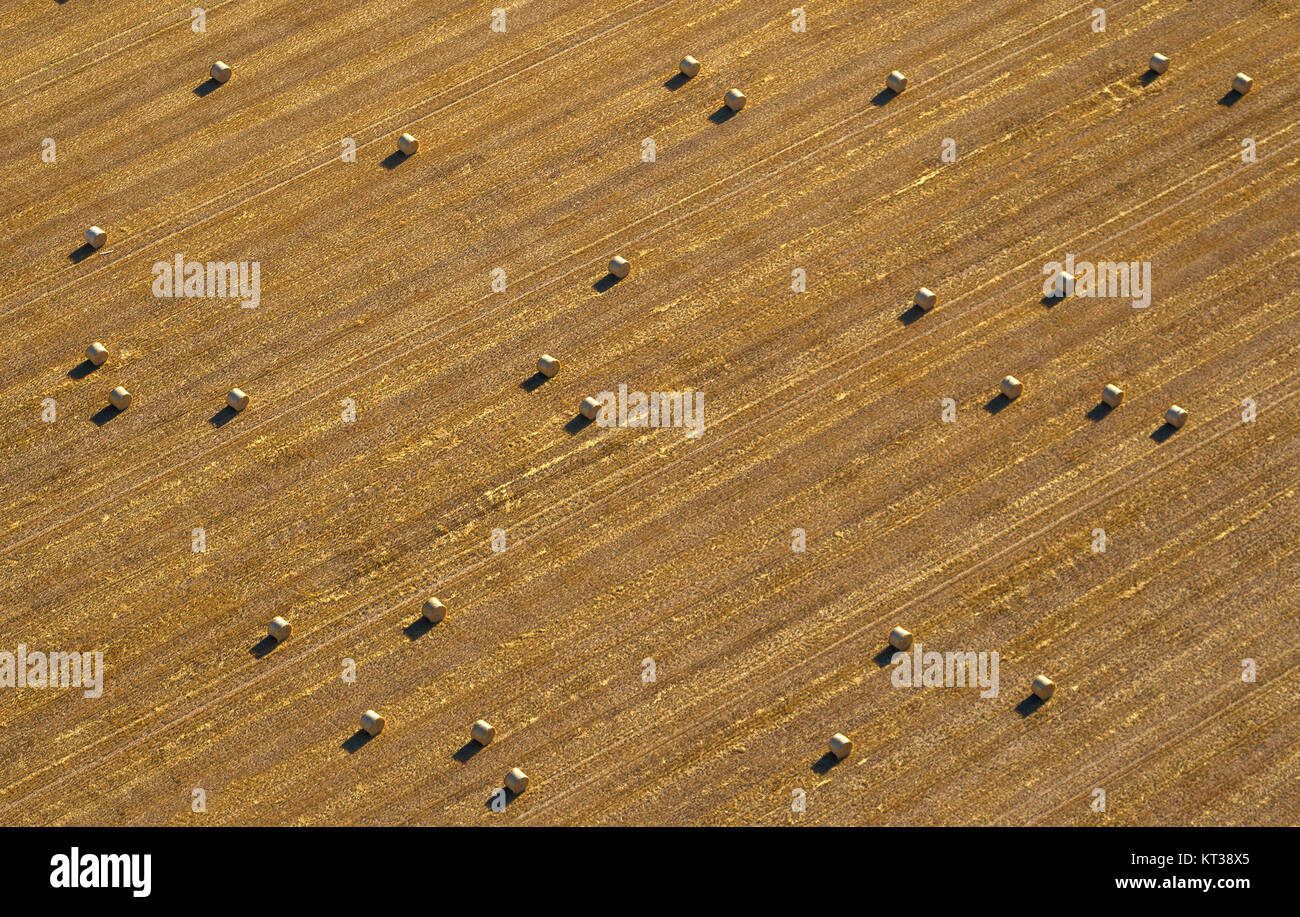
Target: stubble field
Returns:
[[631, 550]]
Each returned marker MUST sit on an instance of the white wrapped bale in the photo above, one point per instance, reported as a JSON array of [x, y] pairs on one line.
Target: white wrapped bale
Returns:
[[372, 722], [841, 746], [1043, 687], [734, 99], [1063, 285], [1159, 63], [279, 629], [900, 639], [689, 66], [1112, 395], [1176, 417], [619, 266], [237, 399], [483, 732], [434, 610], [96, 237], [589, 408], [516, 781], [220, 71], [896, 81], [97, 353], [1012, 387], [925, 299], [119, 398], [1242, 83], [408, 145], [547, 365]]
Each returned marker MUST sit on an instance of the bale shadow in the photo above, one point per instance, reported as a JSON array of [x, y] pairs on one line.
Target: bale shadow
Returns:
[[910, 315], [223, 417], [1029, 705], [1230, 98], [577, 424], [417, 628], [394, 159], [263, 647], [884, 97], [605, 283], [81, 253], [1149, 77], [534, 382], [207, 87], [677, 82], [105, 414], [1051, 299], [722, 115], [467, 751], [82, 370], [885, 656], [356, 742], [510, 797], [997, 403], [1100, 412], [824, 764], [1165, 431]]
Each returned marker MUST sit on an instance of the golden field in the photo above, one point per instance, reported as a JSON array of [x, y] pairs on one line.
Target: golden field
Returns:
[[823, 412]]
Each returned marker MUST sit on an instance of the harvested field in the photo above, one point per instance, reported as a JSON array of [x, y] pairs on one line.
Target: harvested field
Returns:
[[662, 627]]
